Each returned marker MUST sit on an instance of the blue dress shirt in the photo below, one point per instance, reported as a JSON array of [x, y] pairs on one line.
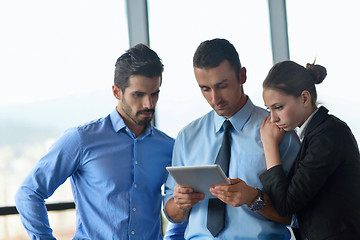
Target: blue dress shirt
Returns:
[[175, 231], [199, 143], [115, 177]]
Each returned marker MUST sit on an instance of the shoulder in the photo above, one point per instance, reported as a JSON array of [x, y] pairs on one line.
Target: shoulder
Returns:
[[331, 133], [94, 125], [88, 131], [330, 126], [257, 114], [251, 120], [337, 124], [162, 136], [199, 124]]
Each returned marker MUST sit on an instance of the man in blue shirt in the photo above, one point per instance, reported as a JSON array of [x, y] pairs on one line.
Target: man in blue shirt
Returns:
[[220, 77], [116, 164]]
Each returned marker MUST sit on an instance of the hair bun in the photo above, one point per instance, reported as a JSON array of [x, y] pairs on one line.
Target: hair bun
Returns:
[[318, 72]]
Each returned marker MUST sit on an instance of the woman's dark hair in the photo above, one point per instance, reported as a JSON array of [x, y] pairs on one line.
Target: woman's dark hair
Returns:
[[292, 78], [138, 60], [212, 53]]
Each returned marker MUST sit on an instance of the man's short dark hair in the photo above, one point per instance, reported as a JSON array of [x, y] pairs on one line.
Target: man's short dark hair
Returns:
[[212, 53], [138, 60]]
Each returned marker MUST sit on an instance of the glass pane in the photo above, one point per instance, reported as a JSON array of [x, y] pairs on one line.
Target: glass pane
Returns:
[[329, 32], [177, 28], [57, 63], [62, 223]]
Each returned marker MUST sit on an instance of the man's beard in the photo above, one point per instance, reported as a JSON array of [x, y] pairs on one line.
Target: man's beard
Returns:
[[142, 122]]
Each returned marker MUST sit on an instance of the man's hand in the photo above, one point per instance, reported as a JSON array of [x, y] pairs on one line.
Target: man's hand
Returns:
[[239, 193], [236, 194], [184, 198]]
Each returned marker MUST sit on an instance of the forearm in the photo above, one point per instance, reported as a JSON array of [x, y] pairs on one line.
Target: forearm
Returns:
[[175, 213], [272, 155], [270, 212], [33, 214]]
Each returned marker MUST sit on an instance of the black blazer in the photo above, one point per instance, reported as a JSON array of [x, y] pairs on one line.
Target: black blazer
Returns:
[[324, 191]]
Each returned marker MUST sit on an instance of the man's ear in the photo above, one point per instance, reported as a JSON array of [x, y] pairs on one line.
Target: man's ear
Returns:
[[305, 98], [117, 92], [242, 75]]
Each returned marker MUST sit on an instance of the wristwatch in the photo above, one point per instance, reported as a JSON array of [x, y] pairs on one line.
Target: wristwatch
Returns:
[[258, 203]]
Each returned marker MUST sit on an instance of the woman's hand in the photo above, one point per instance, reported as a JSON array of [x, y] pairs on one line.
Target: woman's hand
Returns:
[[270, 133], [271, 136]]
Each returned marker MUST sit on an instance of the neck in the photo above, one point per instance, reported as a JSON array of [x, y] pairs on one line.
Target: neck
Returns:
[[133, 126], [312, 110], [308, 113], [242, 102]]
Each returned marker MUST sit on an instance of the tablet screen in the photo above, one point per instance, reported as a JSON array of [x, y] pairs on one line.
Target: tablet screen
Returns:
[[199, 178]]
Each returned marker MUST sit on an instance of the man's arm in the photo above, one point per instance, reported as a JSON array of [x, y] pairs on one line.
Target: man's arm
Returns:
[[239, 193], [33, 213], [46, 176], [175, 231]]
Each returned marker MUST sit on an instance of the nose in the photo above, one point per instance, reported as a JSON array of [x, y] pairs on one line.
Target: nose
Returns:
[[148, 102], [215, 97], [274, 118]]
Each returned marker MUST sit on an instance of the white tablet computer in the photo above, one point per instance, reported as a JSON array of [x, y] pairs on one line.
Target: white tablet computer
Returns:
[[199, 178]]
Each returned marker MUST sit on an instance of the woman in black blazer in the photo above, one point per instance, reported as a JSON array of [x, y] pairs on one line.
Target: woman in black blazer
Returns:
[[324, 190]]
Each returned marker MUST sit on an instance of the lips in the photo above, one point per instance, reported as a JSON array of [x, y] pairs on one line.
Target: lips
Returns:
[[281, 126], [148, 114], [220, 106], [146, 111]]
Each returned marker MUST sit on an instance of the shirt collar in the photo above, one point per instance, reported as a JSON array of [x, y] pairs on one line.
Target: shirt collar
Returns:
[[238, 120], [301, 130], [118, 124], [117, 121]]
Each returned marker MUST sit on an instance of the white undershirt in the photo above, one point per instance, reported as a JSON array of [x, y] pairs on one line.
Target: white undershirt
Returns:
[[301, 130]]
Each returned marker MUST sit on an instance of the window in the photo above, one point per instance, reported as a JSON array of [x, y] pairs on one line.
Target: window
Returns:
[[323, 30], [327, 31], [177, 28], [57, 62]]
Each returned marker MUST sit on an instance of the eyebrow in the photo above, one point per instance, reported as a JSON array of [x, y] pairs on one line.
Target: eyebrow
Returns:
[[216, 84], [274, 104], [138, 92]]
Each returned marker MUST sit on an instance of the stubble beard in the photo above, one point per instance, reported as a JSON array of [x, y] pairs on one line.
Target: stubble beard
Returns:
[[135, 118]]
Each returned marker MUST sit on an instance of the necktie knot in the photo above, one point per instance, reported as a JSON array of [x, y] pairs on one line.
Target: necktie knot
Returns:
[[226, 125]]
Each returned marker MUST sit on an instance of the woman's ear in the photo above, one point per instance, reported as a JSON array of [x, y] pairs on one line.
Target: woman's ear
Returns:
[[306, 98]]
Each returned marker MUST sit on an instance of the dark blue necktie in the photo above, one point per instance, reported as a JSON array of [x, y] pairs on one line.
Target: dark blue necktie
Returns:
[[217, 208]]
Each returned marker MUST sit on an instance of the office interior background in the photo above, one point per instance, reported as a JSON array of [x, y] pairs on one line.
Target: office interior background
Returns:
[[57, 62]]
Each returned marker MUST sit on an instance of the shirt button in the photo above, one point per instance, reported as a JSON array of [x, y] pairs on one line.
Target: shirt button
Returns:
[[134, 209], [132, 232], [135, 186], [136, 162]]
